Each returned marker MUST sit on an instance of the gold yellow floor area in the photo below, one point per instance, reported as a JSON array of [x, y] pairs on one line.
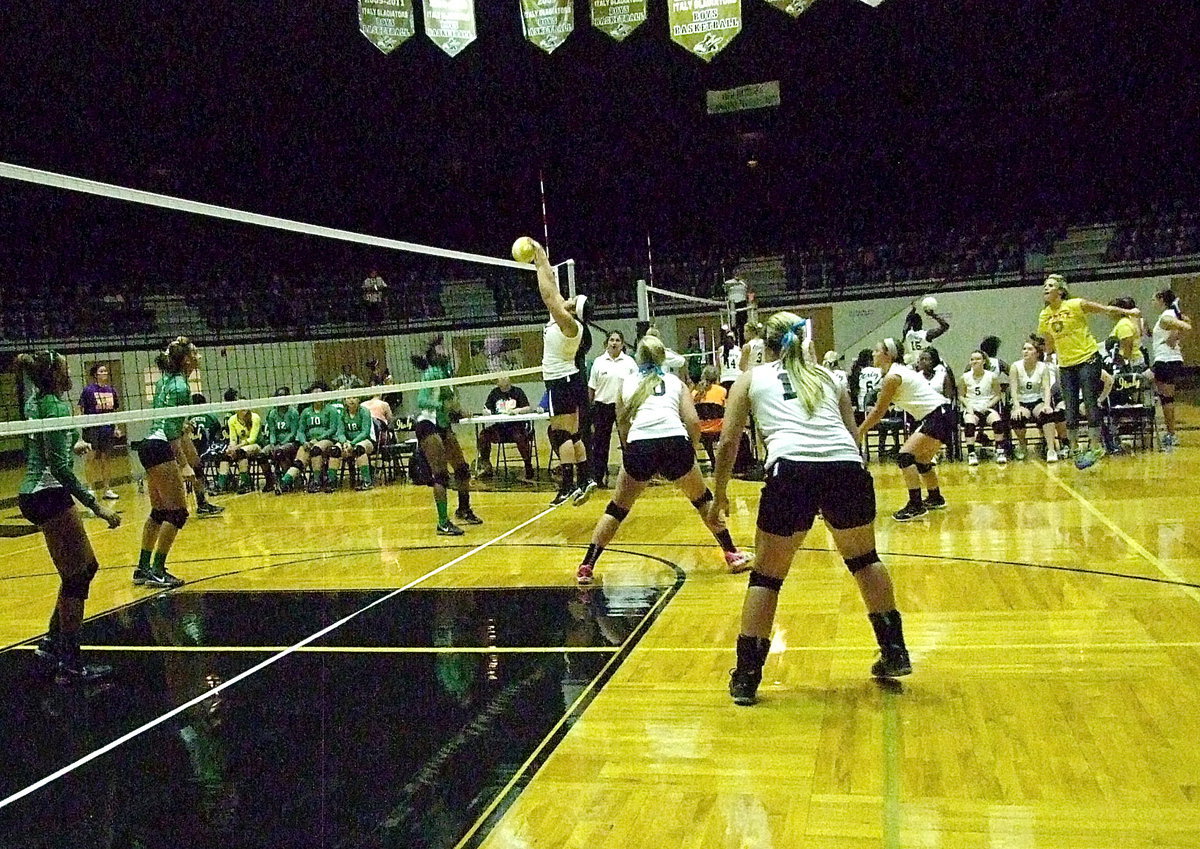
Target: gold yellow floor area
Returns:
[[1053, 616]]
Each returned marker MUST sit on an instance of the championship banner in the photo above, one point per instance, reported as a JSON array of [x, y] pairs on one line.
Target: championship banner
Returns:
[[547, 23], [704, 27], [792, 7], [618, 18], [386, 23], [756, 96], [450, 24]]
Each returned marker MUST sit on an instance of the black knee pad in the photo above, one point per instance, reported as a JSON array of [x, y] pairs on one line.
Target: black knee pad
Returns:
[[238, 455], [857, 564], [78, 585], [924, 468], [359, 450], [178, 518], [335, 451], [616, 511], [557, 438], [1043, 419], [441, 479], [968, 429], [577, 437], [758, 579], [1057, 416], [315, 451], [1165, 400], [905, 460], [462, 473], [704, 500]]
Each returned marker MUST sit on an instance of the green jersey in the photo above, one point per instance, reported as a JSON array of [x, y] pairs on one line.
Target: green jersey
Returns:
[[316, 425], [172, 390], [207, 429], [434, 402], [281, 427], [357, 428], [48, 460]]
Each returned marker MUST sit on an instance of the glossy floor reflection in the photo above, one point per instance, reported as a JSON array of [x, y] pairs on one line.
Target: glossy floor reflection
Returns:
[[398, 730]]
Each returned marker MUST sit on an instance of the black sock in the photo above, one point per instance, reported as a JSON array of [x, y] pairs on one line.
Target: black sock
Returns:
[[568, 477], [54, 629], [889, 632], [752, 652], [593, 554], [935, 493], [914, 497], [584, 474], [201, 498], [725, 540], [464, 499]]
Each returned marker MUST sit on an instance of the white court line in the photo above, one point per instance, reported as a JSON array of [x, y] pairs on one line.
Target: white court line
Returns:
[[88, 758]]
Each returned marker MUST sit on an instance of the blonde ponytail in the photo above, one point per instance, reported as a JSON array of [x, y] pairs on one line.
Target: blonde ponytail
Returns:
[[785, 336], [650, 355]]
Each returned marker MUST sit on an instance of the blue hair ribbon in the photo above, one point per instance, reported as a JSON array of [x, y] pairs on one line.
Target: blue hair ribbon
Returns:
[[649, 368], [793, 333]]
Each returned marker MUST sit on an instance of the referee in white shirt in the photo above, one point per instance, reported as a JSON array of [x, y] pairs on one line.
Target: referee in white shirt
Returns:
[[604, 384]]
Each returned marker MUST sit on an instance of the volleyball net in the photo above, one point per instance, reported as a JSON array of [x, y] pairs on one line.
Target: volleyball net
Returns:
[[109, 275]]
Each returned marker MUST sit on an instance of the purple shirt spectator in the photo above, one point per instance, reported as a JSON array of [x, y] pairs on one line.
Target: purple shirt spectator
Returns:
[[99, 398]]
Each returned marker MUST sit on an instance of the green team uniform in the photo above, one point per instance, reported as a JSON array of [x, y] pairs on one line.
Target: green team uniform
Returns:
[[172, 390], [281, 427], [316, 425], [357, 428], [48, 458], [434, 402]]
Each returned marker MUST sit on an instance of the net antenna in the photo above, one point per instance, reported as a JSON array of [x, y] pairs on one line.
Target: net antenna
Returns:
[[566, 269]]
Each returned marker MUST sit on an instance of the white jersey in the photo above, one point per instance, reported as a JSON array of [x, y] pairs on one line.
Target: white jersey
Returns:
[[607, 375], [558, 351], [979, 392], [756, 351], [915, 341], [868, 387], [1162, 348], [731, 365], [914, 395], [841, 379], [786, 427], [658, 416], [938, 379], [1028, 386]]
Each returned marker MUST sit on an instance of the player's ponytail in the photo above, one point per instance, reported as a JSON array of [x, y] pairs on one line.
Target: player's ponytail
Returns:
[[41, 371], [650, 355], [171, 360], [785, 337]]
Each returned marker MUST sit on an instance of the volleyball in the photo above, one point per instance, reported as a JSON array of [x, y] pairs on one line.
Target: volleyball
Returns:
[[928, 303], [522, 249]]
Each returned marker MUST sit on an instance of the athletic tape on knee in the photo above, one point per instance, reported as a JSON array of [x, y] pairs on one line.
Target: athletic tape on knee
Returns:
[[924, 468], [905, 460], [857, 564], [616, 511], [703, 500], [758, 579]]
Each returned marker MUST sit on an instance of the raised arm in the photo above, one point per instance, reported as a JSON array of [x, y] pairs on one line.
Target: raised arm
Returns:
[[1115, 312], [942, 327], [551, 297]]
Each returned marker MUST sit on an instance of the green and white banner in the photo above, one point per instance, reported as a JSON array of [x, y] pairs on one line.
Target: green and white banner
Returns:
[[792, 7], [386, 23], [547, 23], [618, 18], [704, 27], [450, 24]]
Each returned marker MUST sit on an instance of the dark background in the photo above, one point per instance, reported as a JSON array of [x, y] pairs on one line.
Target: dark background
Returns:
[[913, 115]]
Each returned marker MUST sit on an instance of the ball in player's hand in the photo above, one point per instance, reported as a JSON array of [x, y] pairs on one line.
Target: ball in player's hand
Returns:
[[929, 303], [523, 249]]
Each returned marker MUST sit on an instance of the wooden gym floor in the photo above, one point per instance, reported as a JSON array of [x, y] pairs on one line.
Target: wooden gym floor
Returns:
[[1053, 617]]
